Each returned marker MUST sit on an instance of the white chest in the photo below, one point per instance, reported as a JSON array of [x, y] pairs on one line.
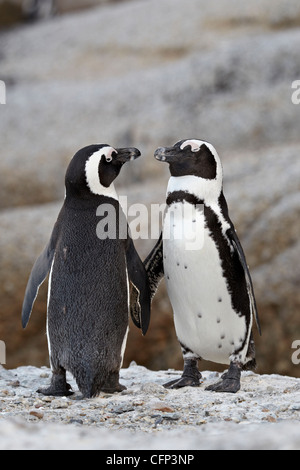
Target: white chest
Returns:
[[204, 319]]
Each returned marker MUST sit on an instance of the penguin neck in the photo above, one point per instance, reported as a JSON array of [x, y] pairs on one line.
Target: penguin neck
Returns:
[[73, 195], [108, 192], [205, 190], [99, 190]]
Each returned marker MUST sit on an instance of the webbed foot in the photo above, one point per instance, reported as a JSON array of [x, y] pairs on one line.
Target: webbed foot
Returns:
[[190, 377], [55, 392], [58, 387], [184, 381], [230, 381]]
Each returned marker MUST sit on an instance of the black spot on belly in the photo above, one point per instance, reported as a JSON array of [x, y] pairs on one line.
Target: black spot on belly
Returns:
[[218, 320], [219, 345], [220, 299], [222, 336], [185, 266], [178, 264], [199, 315]]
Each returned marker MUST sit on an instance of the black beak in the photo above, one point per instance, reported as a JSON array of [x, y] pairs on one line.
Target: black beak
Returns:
[[166, 154], [126, 154]]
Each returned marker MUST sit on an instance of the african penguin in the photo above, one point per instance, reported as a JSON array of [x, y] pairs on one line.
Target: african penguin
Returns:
[[205, 269], [93, 283]]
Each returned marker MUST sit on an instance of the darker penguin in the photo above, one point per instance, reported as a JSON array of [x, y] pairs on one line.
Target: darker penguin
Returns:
[[94, 280], [206, 273]]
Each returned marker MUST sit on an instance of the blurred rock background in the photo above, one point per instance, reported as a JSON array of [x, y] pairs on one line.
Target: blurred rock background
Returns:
[[148, 73]]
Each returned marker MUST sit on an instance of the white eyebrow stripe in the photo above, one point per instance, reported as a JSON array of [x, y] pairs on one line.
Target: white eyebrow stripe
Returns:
[[108, 151], [92, 175], [195, 144]]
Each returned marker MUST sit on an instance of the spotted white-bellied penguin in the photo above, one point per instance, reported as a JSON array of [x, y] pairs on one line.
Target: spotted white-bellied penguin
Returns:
[[205, 269]]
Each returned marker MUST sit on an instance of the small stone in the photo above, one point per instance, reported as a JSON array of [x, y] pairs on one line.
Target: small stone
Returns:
[[171, 416], [47, 399], [60, 404], [75, 421], [295, 407], [36, 414], [122, 409], [163, 407], [153, 388], [270, 419], [132, 364], [14, 384], [213, 375]]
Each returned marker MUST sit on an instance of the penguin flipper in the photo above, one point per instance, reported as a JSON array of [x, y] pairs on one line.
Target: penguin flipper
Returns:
[[154, 266], [38, 274], [140, 298], [238, 248]]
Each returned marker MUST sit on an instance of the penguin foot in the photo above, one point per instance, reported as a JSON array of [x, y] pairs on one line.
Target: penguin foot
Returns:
[[190, 376], [59, 386], [112, 383], [184, 381], [230, 381], [56, 391], [225, 385], [117, 388]]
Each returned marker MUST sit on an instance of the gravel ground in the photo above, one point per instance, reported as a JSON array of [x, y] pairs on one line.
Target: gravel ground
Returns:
[[265, 414]]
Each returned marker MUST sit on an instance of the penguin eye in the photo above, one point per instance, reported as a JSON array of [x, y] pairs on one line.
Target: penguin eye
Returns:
[[109, 158], [109, 155]]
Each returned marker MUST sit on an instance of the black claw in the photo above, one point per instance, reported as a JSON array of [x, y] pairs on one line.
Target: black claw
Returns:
[[226, 385], [183, 382], [118, 388], [169, 384], [56, 392], [230, 381]]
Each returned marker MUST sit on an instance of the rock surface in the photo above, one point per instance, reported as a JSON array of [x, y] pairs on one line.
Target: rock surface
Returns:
[[13, 12], [173, 70], [146, 90], [265, 414]]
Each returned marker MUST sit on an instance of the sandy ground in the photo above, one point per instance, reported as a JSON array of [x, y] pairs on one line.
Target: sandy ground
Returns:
[[265, 414]]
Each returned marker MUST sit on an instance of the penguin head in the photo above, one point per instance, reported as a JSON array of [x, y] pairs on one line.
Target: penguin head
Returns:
[[191, 157], [93, 169]]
